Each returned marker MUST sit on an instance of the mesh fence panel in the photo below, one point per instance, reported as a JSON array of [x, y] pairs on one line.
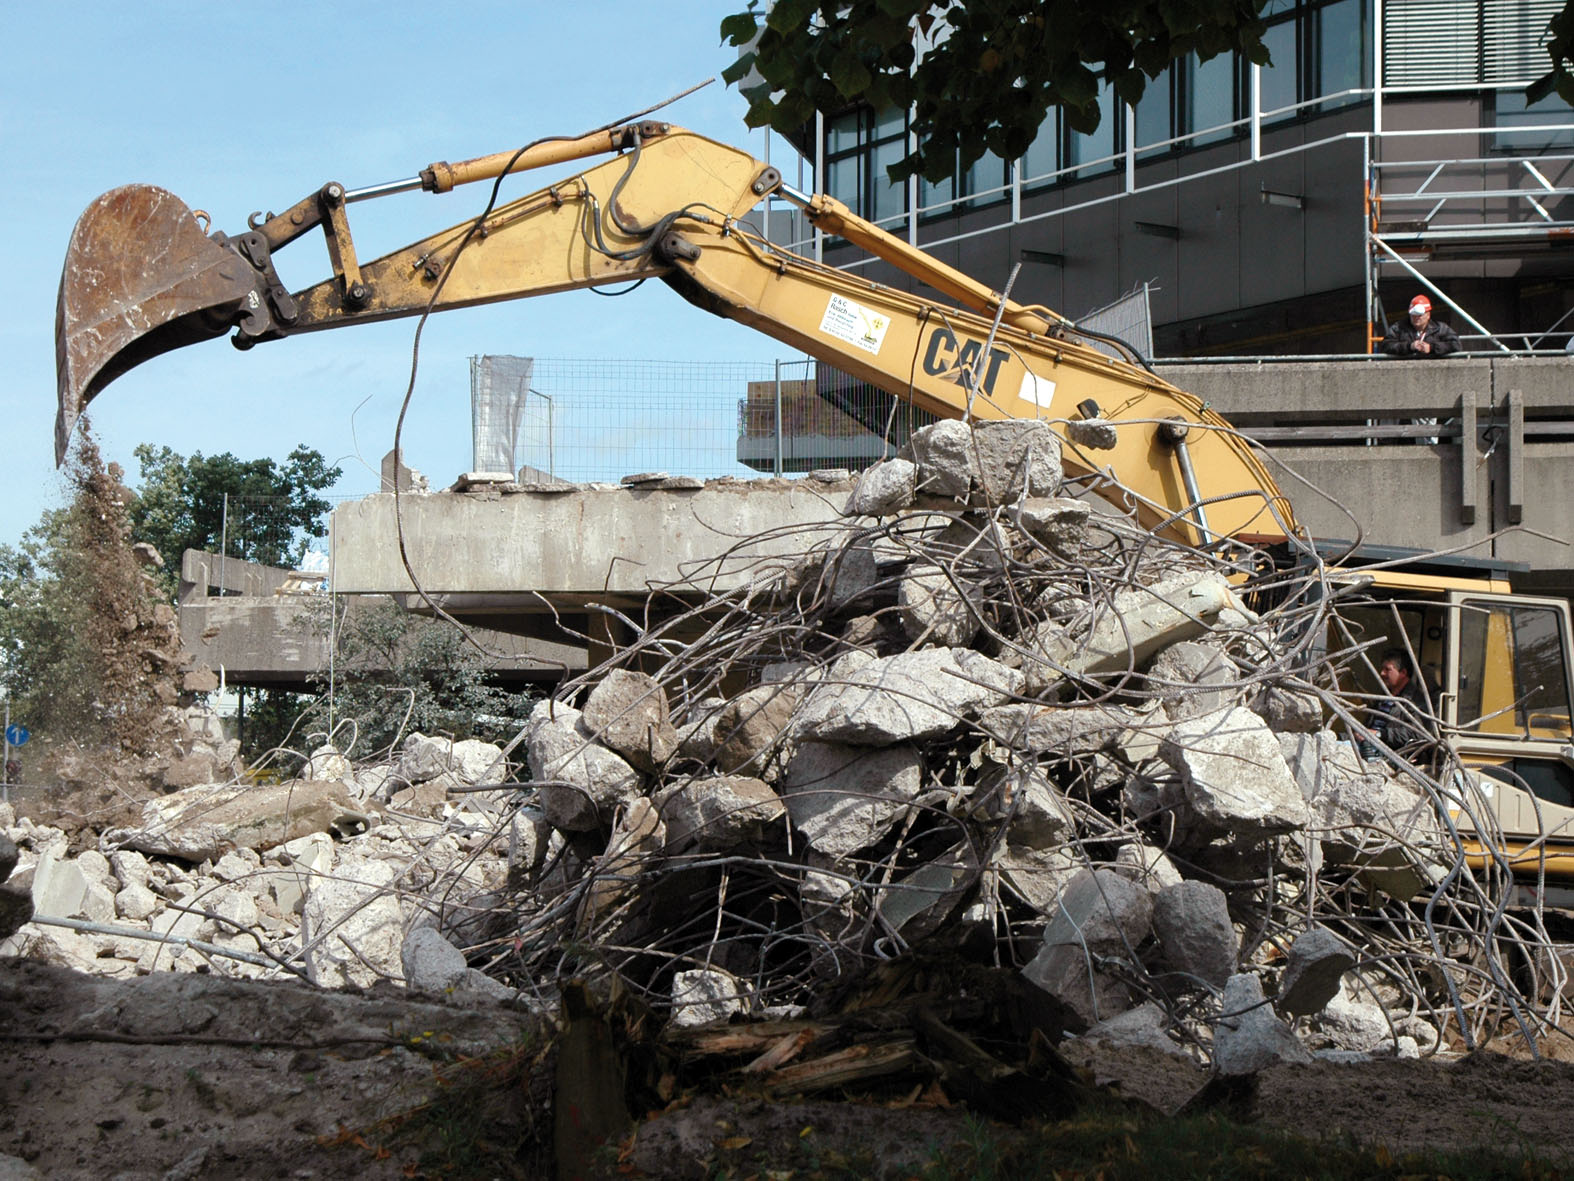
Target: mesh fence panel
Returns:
[[585, 420], [1128, 318], [499, 390]]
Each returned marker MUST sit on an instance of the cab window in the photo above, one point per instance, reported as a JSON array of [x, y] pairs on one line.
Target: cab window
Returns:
[[1512, 679]]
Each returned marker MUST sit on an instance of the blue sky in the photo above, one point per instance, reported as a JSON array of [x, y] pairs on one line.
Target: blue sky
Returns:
[[241, 107]]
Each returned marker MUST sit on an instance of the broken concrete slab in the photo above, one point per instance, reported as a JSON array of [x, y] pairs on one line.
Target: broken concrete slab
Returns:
[[1248, 1037], [1233, 781], [719, 812], [1127, 632], [351, 927], [628, 712], [201, 823], [584, 780], [1314, 965], [843, 798], [1035, 876], [881, 701], [1192, 922]]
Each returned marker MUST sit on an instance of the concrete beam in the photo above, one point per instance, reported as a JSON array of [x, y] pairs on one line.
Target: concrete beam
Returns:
[[594, 543]]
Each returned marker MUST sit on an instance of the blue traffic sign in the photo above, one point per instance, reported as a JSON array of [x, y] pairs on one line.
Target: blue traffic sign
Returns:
[[17, 735]]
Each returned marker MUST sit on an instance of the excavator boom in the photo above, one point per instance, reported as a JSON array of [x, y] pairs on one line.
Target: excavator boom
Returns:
[[141, 278]]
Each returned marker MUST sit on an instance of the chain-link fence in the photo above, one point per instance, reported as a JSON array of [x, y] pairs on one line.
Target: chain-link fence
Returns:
[[582, 420]]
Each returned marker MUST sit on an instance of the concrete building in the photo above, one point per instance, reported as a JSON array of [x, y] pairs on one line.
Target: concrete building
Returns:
[[1284, 210]]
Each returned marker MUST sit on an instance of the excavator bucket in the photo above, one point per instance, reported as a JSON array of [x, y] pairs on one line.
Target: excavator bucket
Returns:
[[141, 278]]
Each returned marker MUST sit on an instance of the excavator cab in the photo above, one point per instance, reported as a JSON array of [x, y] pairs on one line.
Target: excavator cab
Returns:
[[1499, 671]]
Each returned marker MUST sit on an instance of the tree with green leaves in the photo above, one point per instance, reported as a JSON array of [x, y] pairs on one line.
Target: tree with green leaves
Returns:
[[980, 75], [253, 509], [395, 672]]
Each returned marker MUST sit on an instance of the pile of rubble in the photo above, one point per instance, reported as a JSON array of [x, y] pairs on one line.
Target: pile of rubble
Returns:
[[985, 722], [337, 878]]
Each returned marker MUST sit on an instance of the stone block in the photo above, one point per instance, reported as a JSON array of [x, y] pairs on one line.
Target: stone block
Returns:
[[1232, 779], [880, 701], [1248, 1037], [843, 798], [627, 711], [1192, 922]]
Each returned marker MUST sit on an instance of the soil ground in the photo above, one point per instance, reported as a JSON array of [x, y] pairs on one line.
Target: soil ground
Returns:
[[194, 1076]]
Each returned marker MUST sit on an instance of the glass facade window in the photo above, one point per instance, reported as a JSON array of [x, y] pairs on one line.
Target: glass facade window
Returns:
[[1094, 151], [859, 148], [1341, 41], [1042, 157], [1210, 98], [1154, 116], [1318, 48], [1280, 81], [1513, 111]]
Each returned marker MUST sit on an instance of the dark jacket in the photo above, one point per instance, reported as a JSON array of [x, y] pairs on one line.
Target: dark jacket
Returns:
[[1402, 720], [1402, 337]]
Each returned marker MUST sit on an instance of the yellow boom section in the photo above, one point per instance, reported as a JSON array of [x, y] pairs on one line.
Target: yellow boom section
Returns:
[[672, 207]]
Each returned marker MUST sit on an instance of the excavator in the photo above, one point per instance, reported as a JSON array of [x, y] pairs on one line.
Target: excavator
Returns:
[[143, 276]]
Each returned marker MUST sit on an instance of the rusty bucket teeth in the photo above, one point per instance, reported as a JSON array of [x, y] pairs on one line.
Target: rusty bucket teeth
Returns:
[[140, 278]]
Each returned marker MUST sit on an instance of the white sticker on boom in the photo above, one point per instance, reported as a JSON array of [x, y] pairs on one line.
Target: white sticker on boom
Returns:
[[854, 323], [1037, 391]]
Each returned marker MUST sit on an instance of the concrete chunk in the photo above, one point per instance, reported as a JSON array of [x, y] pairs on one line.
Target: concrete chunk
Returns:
[[1192, 679], [705, 996], [351, 926], [844, 798], [1039, 815], [628, 712], [751, 724], [1233, 781], [887, 487], [913, 695], [1247, 1036], [943, 453], [1058, 522], [592, 780], [719, 812], [1192, 922], [1013, 458], [1317, 961], [935, 605], [430, 962]]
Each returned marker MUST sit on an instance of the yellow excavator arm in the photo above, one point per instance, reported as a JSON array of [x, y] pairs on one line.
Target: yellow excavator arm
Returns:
[[142, 276]]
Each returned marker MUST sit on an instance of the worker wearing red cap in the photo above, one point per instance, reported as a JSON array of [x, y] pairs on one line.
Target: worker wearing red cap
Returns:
[[1420, 336]]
